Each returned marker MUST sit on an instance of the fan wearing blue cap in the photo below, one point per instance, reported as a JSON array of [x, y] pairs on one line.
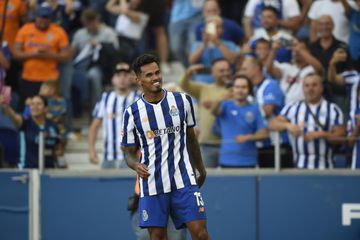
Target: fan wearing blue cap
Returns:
[[43, 17]]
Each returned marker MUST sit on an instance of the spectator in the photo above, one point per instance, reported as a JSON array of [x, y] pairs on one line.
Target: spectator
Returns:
[[15, 16], [29, 133], [89, 43], [332, 8], [314, 124], [288, 13], [323, 49], [349, 79], [354, 134], [231, 30], [184, 17], [212, 47], [270, 99], [41, 46], [109, 112], [262, 50], [207, 95], [271, 31], [241, 125], [354, 37], [157, 14], [129, 26], [291, 75]]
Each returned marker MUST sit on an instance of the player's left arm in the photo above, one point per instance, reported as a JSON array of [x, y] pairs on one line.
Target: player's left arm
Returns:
[[194, 150]]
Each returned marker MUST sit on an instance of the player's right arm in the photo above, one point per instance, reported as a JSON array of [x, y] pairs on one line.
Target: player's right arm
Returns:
[[132, 162], [129, 146], [15, 118]]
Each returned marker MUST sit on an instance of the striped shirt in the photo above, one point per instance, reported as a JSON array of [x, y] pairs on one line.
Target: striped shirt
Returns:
[[161, 131], [110, 110], [352, 80], [316, 153]]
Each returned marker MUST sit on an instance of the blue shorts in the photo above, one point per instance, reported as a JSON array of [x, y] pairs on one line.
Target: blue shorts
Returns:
[[183, 205]]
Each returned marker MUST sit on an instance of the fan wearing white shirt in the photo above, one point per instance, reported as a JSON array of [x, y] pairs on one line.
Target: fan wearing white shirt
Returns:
[[291, 75]]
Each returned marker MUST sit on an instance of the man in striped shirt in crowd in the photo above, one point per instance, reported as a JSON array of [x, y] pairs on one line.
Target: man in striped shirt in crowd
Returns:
[[351, 79], [109, 112], [314, 125], [162, 124]]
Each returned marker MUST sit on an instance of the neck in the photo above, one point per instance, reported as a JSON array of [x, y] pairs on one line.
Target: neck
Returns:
[[315, 101], [122, 92], [326, 39], [300, 64], [39, 120], [240, 102], [258, 79], [271, 32], [154, 97]]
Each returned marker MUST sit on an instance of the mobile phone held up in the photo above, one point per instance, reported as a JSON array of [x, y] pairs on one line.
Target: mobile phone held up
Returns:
[[210, 28], [5, 92]]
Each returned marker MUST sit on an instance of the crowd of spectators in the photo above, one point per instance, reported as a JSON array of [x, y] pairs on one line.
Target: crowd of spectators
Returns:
[[253, 68]]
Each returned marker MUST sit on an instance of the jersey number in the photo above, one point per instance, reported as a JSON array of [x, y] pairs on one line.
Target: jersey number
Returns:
[[199, 199]]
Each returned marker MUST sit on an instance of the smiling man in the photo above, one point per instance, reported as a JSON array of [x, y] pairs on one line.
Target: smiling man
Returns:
[[162, 124]]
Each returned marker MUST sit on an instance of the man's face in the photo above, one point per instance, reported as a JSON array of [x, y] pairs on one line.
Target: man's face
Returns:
[[121, 80], [248, 68], [92, 26], [221, 71], [240, 89], [325, 26], [211, 8], [262, 50], [150, 79], [269, 20], [313, 88], [42, 23], [37, 107]]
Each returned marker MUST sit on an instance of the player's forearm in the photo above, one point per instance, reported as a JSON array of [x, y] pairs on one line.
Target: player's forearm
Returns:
[[292, 24], [195, 152], [130, 156], [15, 118]]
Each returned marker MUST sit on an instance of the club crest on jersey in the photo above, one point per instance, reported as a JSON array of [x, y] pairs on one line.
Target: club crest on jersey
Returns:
[[174, 111], [49, 37], [145, 215], [249, 117]]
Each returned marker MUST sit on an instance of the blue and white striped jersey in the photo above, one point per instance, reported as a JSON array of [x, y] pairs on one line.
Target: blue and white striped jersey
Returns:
[[316, 153], [352, 80], [110, 110], [161, 131]]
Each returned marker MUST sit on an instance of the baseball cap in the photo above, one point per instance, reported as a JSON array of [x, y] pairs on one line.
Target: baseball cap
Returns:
[[44, 12], [122, 67]]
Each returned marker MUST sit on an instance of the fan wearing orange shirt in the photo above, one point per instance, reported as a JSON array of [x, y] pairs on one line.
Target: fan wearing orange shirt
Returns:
[[41, 46]]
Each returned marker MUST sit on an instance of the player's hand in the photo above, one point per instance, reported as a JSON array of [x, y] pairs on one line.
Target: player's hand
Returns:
[[93, 157], [201, 177], [142, 170]]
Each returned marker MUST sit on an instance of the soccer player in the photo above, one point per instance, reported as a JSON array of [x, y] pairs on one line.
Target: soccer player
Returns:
[[109, 112], [162, 123]]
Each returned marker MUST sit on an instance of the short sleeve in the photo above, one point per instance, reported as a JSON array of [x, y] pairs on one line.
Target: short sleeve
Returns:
[[128, 129], [336, 114], [190, 114], [63, 38], [350, 77], [99, 109], [291, 9], [288, 111], [21, 35], [313, 14], [260, 121], [250, 8]]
